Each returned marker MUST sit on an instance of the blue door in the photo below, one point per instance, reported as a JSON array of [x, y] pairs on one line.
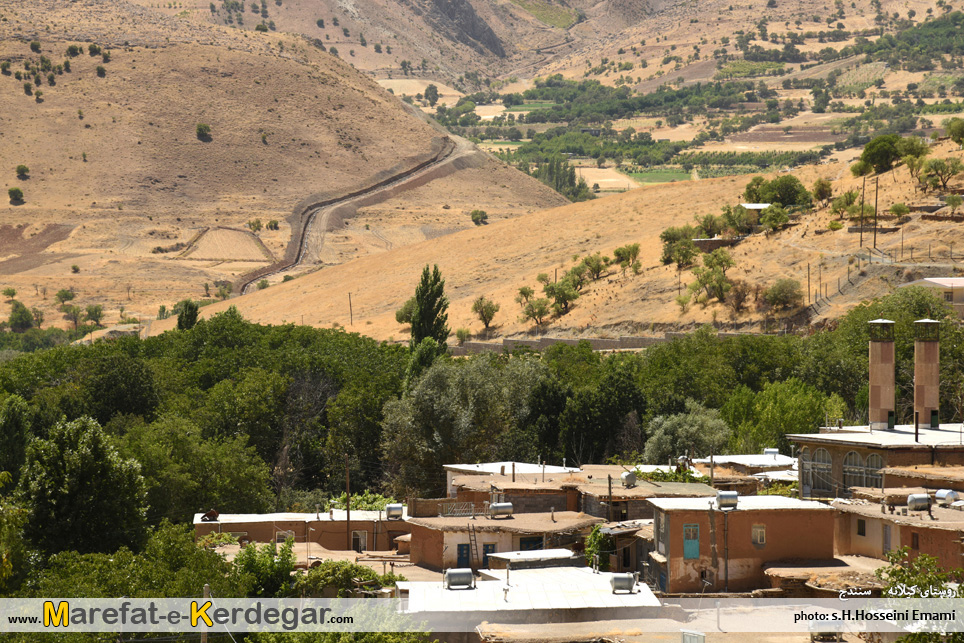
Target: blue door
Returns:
[[487, 548], [691, 541], [463, 557]]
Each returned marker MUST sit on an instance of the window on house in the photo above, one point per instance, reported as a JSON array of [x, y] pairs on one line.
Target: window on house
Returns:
[[691, 541], [949, 296], [759, 534], [915, 541], [281, 536], [861, 527]]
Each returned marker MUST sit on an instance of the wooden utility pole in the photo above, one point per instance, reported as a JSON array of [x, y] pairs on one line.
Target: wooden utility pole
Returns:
[[863, 190], [808, 299], [347, 506], [207, 595], [876, 190], [351, 315], [610, 498]]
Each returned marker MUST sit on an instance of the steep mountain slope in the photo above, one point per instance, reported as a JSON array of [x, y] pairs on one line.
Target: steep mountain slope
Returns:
[[116, 162]]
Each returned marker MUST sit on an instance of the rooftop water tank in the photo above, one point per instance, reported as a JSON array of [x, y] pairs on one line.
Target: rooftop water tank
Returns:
[[623, 582], [394, 511], [918, 502], [773, 452], [500, 509], [726, 499], [455, 578], [946, 497], [628, 478]]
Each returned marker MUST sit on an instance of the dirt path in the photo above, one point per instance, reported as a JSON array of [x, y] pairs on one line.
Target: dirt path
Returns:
[[322, 219]]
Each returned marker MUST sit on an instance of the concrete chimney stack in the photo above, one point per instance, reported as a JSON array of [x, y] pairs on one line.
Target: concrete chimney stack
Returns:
[[927, 372], [882, 364]]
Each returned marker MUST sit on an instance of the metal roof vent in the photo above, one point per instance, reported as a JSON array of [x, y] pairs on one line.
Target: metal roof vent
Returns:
[[628, 478], [458, 578], [773, 452], [500, 509], [946, 497], [726, 499], [624, 582], [394, 511], [918, 502]]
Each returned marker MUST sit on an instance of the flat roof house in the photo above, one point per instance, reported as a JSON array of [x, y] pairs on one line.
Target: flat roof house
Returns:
[[513, 469], [839, 458], [446, 542], [951, 289], [712, 545]]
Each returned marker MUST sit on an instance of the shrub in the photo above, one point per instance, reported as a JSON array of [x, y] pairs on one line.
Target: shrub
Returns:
[[255, 225], [463, 335], [834, 226], [38, 96], [287, 278], [261, 27], [203, 131], [263, 284], [93, 50], [28, 89], [272, 225], [479, 217], [5, 67], [75, 269], [101, 71], [23, 171], [106, 57], [9, 293], [784, 294], [321, 23], [15, 194], [73, 50], [35, 46]]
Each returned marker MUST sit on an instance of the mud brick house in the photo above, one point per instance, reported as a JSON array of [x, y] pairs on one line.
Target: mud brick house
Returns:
[[718, 546]]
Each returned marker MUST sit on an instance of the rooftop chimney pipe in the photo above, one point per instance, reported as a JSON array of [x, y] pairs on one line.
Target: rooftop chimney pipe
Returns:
[[927, 368], [882, 390]]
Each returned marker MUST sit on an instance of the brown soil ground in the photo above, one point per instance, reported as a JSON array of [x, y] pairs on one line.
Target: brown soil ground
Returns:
[[116, 168], [497, 259]]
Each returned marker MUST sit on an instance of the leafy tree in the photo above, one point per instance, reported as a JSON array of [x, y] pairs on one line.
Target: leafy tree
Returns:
[[774, 218], [38, 317], [15, 432], [525, 294], [899, 210], [187, 317], [341, 575], [116, 383], [20, 317], [95, 313], [203, 131], [786, 190], [912, 146], [596, 265], [79, 493], [881, 153], [563, 293], [255, 225], [762, 420], [404, 314], [73, 314], [627, 257], [536, 310], [184, 472], [944, 169], [479, 217], [15, 194], [954, 202], [431, 94], [955, 129], [822, 190], [429, 314], [598, 548], [63, 296], [23, 171], [9, 293], [250, 404], [35, 46], [463, 335], [861, 168], [698, 431], [683, 252], [485, 309], [784, 294]]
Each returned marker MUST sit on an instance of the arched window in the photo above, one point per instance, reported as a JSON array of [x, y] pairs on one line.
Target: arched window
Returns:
[[853, 470], [806, 472], [822, 471], [872, 476]]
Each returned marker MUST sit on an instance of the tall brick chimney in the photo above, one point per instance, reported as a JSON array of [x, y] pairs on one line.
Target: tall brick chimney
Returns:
[[882, 364], [927, 372]]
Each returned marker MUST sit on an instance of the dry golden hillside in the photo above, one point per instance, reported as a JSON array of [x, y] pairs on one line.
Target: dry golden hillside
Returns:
[[117, 170], [496, 260]]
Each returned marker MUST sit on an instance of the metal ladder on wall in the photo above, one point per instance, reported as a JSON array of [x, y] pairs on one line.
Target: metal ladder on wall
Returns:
[[473, 549]]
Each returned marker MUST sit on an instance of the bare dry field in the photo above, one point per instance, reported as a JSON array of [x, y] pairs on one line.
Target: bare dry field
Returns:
[[225, 244], [496, 260], [412, 86], [609, 179]]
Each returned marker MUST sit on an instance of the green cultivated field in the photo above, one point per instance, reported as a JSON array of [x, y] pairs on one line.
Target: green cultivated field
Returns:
[[659, 176]]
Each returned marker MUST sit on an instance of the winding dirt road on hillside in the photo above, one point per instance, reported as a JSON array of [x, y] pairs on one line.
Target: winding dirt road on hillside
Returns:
[[457, 154]]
